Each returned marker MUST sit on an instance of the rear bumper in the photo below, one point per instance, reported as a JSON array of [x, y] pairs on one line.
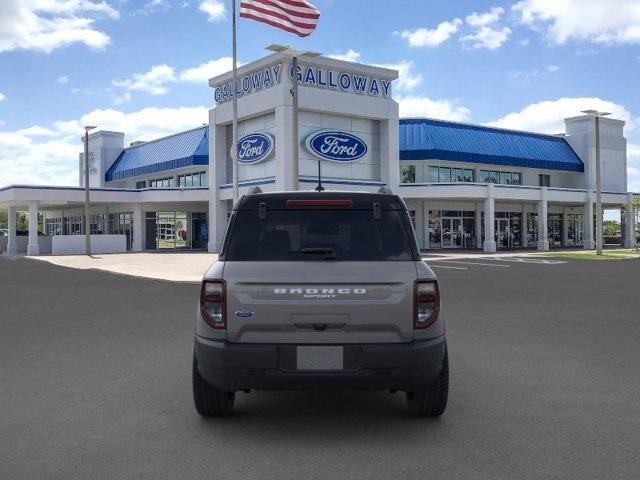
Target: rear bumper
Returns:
[[403, 366]]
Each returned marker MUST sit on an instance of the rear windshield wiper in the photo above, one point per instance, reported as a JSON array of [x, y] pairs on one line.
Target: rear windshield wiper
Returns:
[[329, 253]]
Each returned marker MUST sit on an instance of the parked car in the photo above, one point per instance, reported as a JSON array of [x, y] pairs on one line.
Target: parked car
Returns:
[[320, 291]]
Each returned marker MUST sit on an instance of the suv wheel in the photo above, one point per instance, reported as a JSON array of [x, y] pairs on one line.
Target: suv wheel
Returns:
[[432, 401], [209, 401]]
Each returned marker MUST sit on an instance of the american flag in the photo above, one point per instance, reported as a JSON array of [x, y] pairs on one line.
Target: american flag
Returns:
[[294, 16]]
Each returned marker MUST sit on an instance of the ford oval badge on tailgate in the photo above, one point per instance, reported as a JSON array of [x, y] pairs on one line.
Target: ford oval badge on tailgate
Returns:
[[244, 314]]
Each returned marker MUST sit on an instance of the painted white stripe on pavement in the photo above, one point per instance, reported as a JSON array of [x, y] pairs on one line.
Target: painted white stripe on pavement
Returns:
[[473, 263], [445, 266]]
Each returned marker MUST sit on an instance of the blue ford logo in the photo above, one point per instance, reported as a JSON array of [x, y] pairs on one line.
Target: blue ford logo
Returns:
[[336, 146], [255, 147], [244, 314]]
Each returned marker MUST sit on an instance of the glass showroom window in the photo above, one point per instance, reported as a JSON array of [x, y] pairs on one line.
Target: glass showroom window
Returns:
[[97, 224], [447, 175], [142, 184], [53, 226], [504, 178], [544, 180], [198, 179], [162, 182], [408, 174]]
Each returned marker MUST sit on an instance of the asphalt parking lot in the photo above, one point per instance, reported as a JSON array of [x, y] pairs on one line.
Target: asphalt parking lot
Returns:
[[95, 383]]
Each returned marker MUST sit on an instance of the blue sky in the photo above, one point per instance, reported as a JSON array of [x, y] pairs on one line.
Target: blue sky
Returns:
[[141, 66]]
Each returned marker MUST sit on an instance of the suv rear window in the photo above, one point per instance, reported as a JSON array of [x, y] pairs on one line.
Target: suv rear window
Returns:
[[310, 235]]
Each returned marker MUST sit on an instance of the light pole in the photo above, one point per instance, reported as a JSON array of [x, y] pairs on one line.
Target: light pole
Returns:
[[87, 217], [295, 145], [596, 114]]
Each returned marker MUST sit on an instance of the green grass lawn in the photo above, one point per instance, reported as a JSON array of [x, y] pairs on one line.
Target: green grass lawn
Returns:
[[618, 254]]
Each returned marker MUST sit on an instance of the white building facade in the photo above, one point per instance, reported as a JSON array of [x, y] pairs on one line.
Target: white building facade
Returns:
[[466, 186]]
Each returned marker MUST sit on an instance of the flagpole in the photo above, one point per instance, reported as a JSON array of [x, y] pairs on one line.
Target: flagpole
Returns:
[[294, 125], [234, 146]]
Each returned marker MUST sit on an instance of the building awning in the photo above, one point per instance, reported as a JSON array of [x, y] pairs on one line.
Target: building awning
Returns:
[[427, 139], [183, 149]]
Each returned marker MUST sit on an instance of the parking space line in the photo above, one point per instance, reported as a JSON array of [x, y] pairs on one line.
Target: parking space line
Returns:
[[474, 263], [531, 260], [446, 266]]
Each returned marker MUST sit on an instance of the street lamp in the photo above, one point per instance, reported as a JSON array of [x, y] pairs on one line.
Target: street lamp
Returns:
[[87, 217], [294, 54], [596, 114]]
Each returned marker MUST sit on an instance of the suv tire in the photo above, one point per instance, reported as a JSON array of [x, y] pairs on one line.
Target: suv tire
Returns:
[[209, 401], [432, 401]]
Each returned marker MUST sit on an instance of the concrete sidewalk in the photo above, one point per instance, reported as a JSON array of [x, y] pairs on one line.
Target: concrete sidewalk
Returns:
[[174, 267], [191, 266]]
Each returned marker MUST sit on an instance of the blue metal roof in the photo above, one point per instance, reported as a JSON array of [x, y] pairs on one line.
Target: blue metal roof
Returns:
[[176, 151], [427, 139]]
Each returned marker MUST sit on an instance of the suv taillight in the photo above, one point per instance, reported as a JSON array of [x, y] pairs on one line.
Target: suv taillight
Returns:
[[426, 303], [213, 303]]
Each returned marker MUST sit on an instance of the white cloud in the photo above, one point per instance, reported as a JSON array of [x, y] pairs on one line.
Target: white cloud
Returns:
[[45, 25], [203, 72], [154, 81], [349, 56], [407, 78], [486, 18], [419, 106], [548, 116], [424, 37], [527, 75], [214, 9], [525, 42], [120, 99], [63, 79], [487, 37], [49, 155], [2, 96], [595, 21]]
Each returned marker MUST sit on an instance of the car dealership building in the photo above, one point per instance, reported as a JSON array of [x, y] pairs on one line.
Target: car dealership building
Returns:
[[466, 186]]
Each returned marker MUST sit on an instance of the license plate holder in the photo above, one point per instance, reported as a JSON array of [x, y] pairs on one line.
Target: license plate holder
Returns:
[[325, 358]]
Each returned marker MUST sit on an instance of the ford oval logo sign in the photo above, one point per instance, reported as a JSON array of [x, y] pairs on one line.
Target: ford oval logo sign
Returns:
[[336, 146], [255, 147]]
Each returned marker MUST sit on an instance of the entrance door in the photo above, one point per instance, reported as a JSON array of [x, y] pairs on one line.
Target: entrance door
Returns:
[[504, 237], [451, 232]]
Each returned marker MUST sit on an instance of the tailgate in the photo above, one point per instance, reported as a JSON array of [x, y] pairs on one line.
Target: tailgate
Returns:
[[320, 302]]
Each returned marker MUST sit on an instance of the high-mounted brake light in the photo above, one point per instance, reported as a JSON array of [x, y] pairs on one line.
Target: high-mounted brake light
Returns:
[[426, 304], [320, 203], [213, 303]]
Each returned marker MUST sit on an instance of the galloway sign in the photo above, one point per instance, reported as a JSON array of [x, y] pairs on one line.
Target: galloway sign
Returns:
[[336, 146], [255, 147], [248, 84], [309, 76], [331, 79]]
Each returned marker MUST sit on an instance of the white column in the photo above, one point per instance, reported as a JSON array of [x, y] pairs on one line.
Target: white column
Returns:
[[543, 240], [489, 245], [478, 226], [565, 227], [283, 140], [138, 219], [12, 246], [425, 225], [218, 176], [32, 246], [390, 150], [629, 224], [589, 242]]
